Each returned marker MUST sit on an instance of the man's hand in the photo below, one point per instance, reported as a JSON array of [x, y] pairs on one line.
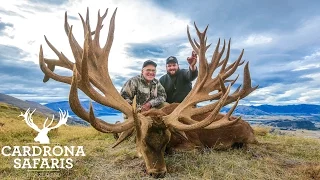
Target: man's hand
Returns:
[[146, 107], [192, 60]]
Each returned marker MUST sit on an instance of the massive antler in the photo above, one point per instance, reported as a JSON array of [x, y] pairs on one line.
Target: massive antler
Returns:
[[90, 73], [181, 117]]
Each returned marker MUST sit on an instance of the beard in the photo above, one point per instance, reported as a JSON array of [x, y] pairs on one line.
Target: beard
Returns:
[[173, 72]]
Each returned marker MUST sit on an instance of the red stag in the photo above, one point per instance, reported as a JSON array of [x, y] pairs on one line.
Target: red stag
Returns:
[[174, 126]]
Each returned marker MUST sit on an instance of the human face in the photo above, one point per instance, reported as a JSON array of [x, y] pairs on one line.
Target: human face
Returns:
[[172, 68], [149, 72]]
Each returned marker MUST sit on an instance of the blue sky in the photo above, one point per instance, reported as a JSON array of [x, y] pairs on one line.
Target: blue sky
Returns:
[[281, 40]]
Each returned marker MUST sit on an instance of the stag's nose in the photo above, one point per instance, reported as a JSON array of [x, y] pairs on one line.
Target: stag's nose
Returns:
[[158, 174]]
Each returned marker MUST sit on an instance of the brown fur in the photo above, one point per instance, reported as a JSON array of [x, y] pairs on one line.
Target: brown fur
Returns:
[[237, 135]]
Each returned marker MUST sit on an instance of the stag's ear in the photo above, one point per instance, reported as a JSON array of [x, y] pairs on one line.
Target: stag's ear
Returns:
[[123, 136], [181, 134]]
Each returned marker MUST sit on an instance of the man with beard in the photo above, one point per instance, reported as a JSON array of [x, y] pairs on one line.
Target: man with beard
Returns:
[[177, 82]]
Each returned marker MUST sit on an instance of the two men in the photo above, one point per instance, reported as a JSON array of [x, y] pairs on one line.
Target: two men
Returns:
[[173, 87]]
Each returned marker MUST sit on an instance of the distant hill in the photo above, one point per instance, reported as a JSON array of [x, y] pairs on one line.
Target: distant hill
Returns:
[[99, 110], [40, 109], [301, 109], [24, 104], [290, 109], [250, 111], [245, 110]]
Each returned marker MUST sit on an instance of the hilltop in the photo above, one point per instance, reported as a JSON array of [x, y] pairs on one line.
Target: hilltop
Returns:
[[40, 109], [24, 105]]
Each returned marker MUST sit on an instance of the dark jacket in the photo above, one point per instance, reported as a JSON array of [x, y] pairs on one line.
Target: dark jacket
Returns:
[[178, 86]]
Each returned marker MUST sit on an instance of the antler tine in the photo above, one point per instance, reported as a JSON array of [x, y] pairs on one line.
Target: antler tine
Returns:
[[197, 44], [225, 120], [48, 73], [97, 123], [75, 47], [62, 62], [246, 88], [203, 64], [66, 63], [76, 51], [197, 30], [104, 58], [208, 46], [234, 81], [84, 25], [88, 21], [195, 47], [97, 32], [223, 67], [215, 58], [234, 67]]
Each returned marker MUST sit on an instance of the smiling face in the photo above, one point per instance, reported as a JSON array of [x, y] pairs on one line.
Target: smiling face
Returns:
[[172, 68], [149, 72]]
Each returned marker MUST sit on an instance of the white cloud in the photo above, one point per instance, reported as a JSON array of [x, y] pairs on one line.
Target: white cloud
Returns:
[[256, 39], [281, 94], [308, 62]]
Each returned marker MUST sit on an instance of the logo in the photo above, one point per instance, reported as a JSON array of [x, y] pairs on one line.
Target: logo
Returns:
[[42, 136], [41, 155]]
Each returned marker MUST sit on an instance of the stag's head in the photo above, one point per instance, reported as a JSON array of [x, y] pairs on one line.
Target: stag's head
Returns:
[[153, 128]]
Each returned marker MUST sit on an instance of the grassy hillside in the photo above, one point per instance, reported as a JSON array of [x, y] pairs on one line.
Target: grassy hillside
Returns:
[[275, 157]]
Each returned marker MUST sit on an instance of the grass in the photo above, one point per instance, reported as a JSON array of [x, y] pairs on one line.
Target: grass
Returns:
[[275, 157]]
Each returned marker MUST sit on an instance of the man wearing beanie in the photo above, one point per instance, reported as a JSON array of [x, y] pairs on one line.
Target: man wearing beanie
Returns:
[[148, 90], [177, 82]]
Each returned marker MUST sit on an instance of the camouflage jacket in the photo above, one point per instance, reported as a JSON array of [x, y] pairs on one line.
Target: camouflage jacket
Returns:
[[153, 92]]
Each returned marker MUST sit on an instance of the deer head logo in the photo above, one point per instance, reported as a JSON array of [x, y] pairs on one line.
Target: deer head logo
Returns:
[[42, 136]]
